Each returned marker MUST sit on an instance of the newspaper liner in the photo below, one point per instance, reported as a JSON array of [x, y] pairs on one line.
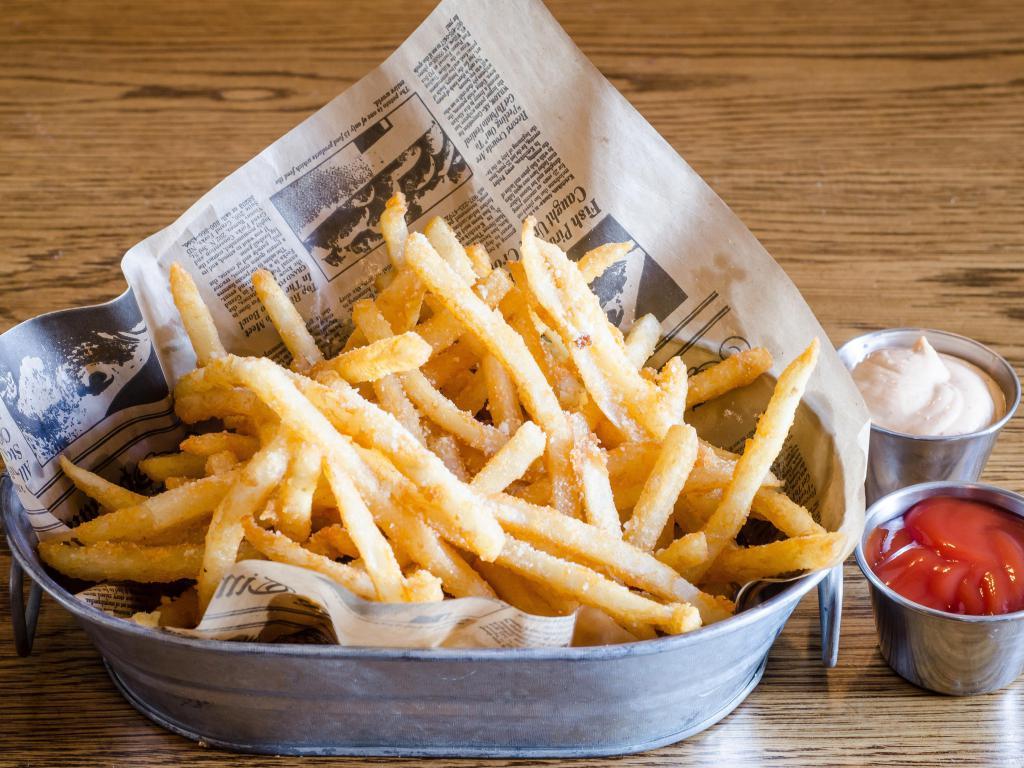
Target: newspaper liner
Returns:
[[486, 114]]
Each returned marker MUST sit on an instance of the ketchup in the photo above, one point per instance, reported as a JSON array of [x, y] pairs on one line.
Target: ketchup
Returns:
[[954, 555]]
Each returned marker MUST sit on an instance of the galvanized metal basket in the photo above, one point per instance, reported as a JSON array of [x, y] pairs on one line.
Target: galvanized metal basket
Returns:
[[333, 700]]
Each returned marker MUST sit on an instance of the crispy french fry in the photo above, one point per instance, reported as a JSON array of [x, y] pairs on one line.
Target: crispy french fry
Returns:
[[159, 468], [122, 561], [511, 462], [591, 588], [687, 551], [443, 238], [448, 451], [332, 541], [580, 540], [743, 564], [641, 339], [431, 403], [732, 373], [756, 461], [784, 513], [382, 357], [243, 446], [401, 302], [255, 483], [473, 396], [505, 344], [443, 328], [281, 549], [454, 361], [516, 590], [195, 316], [502, 400], [394, 230], [481, 261], [156, 513], [596, 261], [591, 468], [219, 463], [657, 500], [108, 494], [287, 320], [295, 498]]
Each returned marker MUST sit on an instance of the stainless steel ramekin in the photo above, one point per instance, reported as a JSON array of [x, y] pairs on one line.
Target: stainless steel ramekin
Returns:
[[943, 652], [896, 459]]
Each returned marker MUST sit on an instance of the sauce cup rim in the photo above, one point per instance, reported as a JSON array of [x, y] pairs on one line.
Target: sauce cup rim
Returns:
[[1011, 408], [875, 516]]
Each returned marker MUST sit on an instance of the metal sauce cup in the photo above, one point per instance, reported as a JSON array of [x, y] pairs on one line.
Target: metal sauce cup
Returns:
[[896, 459], [943, 652]]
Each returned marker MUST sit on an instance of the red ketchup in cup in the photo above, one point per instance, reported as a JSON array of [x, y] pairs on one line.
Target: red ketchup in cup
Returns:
[[954, 555]]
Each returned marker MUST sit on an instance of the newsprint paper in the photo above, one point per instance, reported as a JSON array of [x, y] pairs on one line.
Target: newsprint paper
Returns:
[[487, 114]]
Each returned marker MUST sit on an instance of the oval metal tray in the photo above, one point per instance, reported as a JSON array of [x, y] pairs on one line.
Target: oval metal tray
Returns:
[[333, 700]]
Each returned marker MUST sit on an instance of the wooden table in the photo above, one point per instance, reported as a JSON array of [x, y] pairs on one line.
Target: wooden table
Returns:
[[875, 148]]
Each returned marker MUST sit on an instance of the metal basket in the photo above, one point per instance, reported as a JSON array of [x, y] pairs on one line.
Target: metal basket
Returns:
[[333, 700]]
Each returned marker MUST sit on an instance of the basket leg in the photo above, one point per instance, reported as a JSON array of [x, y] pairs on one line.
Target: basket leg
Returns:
[[830, 614], [23, 616]]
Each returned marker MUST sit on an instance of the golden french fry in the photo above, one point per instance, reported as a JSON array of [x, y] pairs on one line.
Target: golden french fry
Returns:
[[281, 549], [596, 262], [472, 397], [512, 460], [195, 316], [592, 470], [402, 301], [382, 357], [295, 497], [784, 513], [442, 329], [243, 446], [454, 361], [733, 372], [108, 494], [447, 245], [757, 458], [591, 588], [394, 230], [434, 405], [688, 550], [664, 484], [448, 451], [582, 541], [502, 400], [122, 561], [480, 260], [641, 340], [157, 513], [255, 483], [803, 553], [505, 344], [287, 320], [220, 463], [332, 541], [159, 468]]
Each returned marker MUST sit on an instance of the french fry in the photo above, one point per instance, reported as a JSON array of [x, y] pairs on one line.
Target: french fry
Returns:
[[743, 564], [195, 316], [455, 360], [295, 497], [108, 494], [512, 460], [394, 230], [382, 357], [580, 540], [641, 339], [663, 486], [401, 302], [219, 463], [596, 261], [156, 513], [281, 549], [517, 591], [448, 451], [734, 372], [592, 470], [473, 395], [255, 483], [443, 329], [756, 461], [447, 245], [784, 513], [430, 402], [689, 550], [591, 588], [243, 446], [480, 260], [287, 320], [122, 561], [502, 400], [332, 541], [505, 344], [159, 468]]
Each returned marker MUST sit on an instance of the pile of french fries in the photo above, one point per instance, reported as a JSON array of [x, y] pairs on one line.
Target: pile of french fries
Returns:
[[484, 432]]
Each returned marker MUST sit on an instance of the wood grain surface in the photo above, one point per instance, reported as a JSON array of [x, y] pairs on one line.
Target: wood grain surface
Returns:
[[875, 147]]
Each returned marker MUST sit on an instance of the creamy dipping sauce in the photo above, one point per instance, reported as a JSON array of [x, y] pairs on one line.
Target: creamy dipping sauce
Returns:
[[919, 391]]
